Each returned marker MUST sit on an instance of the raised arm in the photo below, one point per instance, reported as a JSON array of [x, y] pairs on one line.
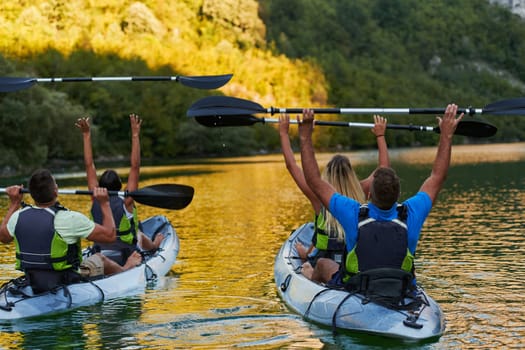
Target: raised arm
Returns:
[[295, 171], [383, 160], [321, 188], [447, 126], [91, 171], [134, 172]]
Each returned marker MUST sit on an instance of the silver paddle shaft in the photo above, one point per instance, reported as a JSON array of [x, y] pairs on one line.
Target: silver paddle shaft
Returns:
[[358, 125]]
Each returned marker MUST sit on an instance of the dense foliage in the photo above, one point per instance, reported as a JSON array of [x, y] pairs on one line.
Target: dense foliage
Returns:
[[286, 53], [407, 53]]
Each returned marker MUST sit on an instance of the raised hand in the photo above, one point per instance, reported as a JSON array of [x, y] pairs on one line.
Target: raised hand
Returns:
[[135, 123], [83, 124], [379, 128], [448, 123]]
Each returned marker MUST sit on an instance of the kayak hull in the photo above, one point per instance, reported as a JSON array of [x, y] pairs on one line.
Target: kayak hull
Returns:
[[343, 310], [18, 303]]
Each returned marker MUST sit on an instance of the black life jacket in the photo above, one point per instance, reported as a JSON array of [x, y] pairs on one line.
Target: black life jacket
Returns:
[[380, 266], [39, 246], [126, 241], [380, 244]]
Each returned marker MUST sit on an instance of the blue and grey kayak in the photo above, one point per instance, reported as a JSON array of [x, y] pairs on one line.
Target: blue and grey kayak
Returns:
[[341, 309], [18, 301]]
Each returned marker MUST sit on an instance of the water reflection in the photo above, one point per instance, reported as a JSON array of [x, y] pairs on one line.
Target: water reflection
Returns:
[[259, 331], [477, 252], [108, 325], [221, 292]]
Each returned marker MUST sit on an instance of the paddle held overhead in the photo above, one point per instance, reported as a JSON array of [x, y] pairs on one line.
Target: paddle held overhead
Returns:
[[231, 106], [9, 84], [226, 113]]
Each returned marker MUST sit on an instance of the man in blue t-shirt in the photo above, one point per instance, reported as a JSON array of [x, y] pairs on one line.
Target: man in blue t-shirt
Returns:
[[383, 196]]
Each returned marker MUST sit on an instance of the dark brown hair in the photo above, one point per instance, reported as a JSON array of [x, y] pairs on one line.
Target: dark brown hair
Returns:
[[110, 180], [42, 186], [385, 188]]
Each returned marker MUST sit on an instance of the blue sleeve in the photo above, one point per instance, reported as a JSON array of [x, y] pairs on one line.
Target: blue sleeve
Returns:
[[419, 207], [346, 211]]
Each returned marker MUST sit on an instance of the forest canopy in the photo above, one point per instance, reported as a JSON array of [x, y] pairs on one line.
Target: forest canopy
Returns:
[[283, 53]]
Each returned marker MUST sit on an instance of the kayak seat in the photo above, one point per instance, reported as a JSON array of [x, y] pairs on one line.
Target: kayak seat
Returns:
[[386, 286], [42, 281]]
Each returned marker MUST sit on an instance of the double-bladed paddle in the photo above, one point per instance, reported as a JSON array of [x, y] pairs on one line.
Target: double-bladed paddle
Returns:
[[167, 196], [219, 111], [225, 105], [9, 84]]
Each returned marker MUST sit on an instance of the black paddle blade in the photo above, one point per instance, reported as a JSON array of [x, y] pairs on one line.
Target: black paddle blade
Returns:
[[167, 196], [205, 82], [219, 111], [224, 106], [474, 128], [9, 84], [228, 120], [515, 106]]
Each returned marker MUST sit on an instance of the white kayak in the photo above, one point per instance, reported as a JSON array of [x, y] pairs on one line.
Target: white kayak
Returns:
[[341, 309], [17, 302]]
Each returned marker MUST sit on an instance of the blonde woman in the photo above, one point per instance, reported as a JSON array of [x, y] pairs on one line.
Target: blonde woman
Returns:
[[328, 240]]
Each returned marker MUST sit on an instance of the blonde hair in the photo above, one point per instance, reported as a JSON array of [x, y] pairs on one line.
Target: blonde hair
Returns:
[[340, 174]]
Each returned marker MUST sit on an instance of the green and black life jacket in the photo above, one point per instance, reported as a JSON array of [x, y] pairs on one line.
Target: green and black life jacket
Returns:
[[328, 244], [380, 244], [39, 246], [126, 228]]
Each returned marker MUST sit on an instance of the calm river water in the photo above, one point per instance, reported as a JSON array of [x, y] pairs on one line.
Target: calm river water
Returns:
[[221, 293]]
